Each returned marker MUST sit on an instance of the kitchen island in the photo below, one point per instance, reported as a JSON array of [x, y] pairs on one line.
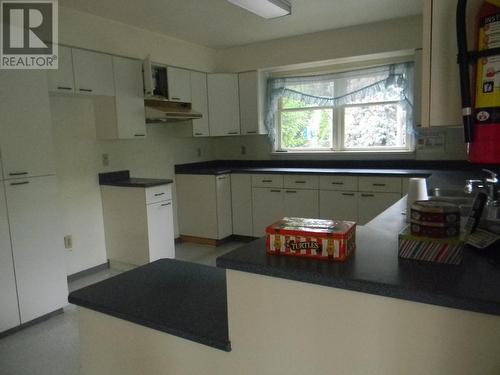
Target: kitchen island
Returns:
[[374, 314]]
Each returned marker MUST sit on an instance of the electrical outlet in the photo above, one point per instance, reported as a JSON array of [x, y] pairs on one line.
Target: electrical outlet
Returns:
[[243, 150], [68, 242], [105, 160], [198, 150]]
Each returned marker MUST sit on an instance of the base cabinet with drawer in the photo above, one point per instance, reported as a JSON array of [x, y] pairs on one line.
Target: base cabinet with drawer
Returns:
[[339, 205], [138, 223], [204, 206], [268, 207]]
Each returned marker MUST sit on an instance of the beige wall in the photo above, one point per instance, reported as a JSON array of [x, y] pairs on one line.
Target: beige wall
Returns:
[[387, 36], [78, 153]]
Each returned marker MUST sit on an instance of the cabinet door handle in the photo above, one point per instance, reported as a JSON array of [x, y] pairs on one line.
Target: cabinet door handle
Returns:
[[348, 194], [159, 194], [379, 184], [19, 183], [166, 204], [198, 133], [64, 88], [267, 181], [139, 135], [291, 191], [232, 133], [86, 90], [337, 183], [275, 191], [221, 177], [252, 132], [367, 195], [18, 173], [300, 182]]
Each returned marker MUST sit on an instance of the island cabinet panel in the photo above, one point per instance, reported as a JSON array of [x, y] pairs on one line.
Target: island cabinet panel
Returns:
[[338, 205], [268, 207], [9, 311], [241, 200], [204, 208]]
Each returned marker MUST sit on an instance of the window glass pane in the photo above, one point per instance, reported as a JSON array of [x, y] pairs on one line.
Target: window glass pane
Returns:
[[391, 93], [309, 128], [310, 90], [368, 126]]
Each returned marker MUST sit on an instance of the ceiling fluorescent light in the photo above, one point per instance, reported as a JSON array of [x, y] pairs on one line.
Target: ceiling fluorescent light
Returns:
[[265, 8]]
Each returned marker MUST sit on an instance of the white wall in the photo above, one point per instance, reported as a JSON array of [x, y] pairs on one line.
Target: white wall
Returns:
[[78, 153], [79, 29], [387, 36]]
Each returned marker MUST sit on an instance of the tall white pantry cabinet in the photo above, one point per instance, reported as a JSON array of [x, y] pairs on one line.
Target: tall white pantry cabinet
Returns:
[[32, 269]]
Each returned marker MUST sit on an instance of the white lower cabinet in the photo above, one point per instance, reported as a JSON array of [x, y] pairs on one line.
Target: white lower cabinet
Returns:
[[37, 245], [338, 205], [138, 223], [241, 201], [160, 218], [9, 310], [268, 207], [204, 206], [372, 204], [301, 203]]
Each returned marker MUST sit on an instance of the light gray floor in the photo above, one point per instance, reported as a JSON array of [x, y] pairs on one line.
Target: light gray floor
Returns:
[[52, 347]]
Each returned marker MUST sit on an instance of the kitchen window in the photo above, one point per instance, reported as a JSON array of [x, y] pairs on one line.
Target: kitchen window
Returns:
[[361, 110]]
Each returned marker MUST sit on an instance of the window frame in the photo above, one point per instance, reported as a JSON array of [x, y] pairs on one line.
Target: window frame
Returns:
[[338, 131]]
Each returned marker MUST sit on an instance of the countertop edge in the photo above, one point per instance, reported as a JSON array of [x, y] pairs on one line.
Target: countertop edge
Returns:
[[217, 344], [369, 287]]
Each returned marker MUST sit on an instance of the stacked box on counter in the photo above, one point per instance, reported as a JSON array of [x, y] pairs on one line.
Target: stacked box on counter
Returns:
[[312, 238], [442, 250]]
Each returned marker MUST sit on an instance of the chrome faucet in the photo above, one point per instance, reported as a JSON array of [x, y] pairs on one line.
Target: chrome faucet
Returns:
[[491, 186]]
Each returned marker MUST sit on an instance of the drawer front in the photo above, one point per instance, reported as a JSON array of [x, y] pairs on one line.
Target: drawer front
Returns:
[[267, 180], [301, 181], [380, 184], [158, 193], [342, 183]]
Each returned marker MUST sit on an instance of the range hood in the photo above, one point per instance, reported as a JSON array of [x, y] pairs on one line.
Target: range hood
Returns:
[[160, 110]]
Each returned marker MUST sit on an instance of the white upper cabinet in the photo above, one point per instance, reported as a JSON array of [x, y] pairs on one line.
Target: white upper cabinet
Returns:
[[250, 89], [25, 128], [93, 73], [223, 102], [441, 104], [199, 103], [179, 85], [122, 116], [62, 80]]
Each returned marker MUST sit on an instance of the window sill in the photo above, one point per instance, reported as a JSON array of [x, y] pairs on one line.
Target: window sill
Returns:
[[350, 155]]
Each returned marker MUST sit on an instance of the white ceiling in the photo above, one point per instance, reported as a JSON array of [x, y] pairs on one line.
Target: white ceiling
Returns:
[[220, 24]]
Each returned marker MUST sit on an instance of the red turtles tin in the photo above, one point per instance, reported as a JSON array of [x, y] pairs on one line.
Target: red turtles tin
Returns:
[[312, 238]]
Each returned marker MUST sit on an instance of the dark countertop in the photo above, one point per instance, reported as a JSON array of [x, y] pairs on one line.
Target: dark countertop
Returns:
[[123, 179], [183, 299], [376, 269], [408, 168]]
